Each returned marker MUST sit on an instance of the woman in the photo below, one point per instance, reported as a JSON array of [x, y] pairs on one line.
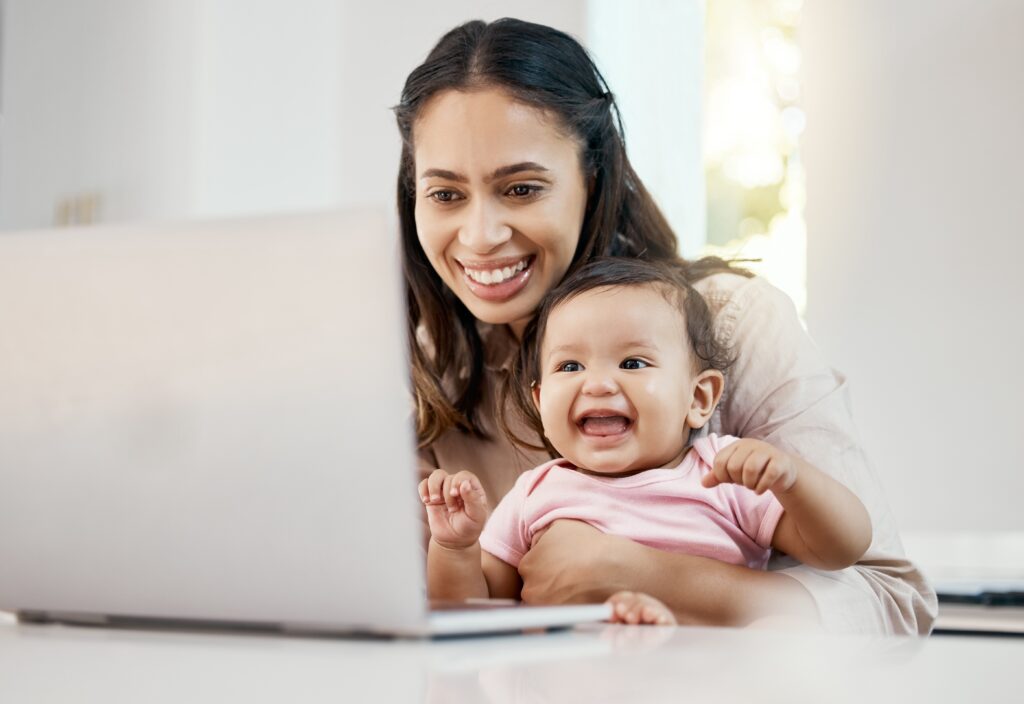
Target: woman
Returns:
[[513, 173]]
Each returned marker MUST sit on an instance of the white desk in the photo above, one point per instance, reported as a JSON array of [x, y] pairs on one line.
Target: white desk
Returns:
[[593, 664]]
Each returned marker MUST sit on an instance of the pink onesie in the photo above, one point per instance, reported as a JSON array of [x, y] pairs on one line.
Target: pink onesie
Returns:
[[667, 509]]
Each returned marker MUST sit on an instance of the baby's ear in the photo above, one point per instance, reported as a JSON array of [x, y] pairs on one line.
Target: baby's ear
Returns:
[[707, 390], [535, 394]]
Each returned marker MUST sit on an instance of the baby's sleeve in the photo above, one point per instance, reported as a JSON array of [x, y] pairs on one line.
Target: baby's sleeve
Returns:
[[758, 516], [506, 534]]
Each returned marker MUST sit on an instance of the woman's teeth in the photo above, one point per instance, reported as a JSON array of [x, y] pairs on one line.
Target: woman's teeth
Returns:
[[495, 276]]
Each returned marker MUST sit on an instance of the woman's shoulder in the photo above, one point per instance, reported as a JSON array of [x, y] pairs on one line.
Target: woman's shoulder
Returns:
[[733, 297], [734, 287]]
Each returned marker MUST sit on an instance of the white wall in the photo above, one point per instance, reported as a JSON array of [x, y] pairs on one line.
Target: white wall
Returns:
[[200, 108], [915, 154], [268, 106], [97, 96]]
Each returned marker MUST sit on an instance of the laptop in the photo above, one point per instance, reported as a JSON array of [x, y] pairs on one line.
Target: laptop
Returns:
[[210, 424]]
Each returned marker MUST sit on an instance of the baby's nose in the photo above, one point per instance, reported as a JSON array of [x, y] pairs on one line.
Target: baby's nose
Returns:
[[599, 385]]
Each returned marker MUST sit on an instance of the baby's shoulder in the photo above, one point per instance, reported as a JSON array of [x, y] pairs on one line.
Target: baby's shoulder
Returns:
[[529, 481], [706, 448]]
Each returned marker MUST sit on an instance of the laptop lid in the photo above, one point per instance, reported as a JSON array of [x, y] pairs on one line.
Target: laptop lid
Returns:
[[209, 421]]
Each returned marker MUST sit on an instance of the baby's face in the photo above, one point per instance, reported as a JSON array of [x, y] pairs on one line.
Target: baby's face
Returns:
[[617, 380]]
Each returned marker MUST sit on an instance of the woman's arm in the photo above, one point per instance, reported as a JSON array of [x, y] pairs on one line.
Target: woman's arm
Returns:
[[573, 562]]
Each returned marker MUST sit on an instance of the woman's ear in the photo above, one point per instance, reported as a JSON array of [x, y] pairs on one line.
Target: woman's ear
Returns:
[[535, 394], [707, 390]]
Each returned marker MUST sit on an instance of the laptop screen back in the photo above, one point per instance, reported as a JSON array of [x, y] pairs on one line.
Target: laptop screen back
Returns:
[[208, 421]]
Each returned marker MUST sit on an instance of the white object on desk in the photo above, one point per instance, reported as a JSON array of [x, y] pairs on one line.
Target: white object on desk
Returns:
[[959, 562], [970, 563]]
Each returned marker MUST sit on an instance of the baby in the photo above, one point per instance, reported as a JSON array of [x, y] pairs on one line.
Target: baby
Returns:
[[624, 367]]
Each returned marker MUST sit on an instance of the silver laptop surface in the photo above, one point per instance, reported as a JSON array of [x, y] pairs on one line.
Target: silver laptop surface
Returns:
[[210, 422]]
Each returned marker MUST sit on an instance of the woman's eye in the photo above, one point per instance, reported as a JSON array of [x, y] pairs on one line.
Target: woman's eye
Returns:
[[523, 190], [443, 196], [570, 367], [633, 363]]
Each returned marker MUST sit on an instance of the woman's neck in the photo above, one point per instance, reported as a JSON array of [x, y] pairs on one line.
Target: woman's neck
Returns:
[[518, 327]]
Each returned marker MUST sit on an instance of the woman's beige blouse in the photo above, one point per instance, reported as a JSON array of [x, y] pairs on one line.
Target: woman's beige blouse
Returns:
[[780, 390]]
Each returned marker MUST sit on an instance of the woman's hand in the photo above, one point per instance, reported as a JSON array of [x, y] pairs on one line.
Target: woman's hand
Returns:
[[571, 562]]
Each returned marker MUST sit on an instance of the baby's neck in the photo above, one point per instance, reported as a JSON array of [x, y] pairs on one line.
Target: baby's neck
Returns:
[[672, 464]]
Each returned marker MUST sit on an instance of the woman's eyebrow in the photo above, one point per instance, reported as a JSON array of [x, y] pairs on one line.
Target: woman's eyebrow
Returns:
[[515, 169], [445, 174], [500, 172]]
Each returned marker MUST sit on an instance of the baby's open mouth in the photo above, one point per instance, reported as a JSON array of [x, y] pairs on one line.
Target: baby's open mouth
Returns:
[[604, 425]]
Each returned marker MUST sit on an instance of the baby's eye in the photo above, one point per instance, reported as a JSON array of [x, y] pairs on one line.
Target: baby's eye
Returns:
[[570, 367], [633, 363]]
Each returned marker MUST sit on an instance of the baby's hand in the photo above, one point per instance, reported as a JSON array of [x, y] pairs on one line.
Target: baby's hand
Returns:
[[755, 465], [634, 608], [456, 507]]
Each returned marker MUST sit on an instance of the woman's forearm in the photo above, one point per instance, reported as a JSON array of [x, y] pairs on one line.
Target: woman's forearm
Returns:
[[701, 590], [575, 563], [455, 574]]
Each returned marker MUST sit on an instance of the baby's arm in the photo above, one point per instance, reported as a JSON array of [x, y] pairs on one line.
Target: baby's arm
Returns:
[[824, 524], [456, 567]]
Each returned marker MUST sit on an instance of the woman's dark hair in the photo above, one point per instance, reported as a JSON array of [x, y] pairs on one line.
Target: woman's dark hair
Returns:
[[547, 69], [669, 277]]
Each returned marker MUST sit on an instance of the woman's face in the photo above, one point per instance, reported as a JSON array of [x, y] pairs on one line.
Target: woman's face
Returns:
[[500, 198]]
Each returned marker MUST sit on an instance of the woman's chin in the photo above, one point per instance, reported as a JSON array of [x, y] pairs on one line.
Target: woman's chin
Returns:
[[511, 312]]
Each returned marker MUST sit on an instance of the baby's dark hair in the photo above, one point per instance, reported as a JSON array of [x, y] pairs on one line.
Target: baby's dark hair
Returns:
[[668, 276]]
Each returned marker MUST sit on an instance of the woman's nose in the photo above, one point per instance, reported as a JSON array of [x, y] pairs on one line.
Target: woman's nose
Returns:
[[483, 231]]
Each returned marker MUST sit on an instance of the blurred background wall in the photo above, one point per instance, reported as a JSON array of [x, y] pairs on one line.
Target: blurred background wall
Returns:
[[914, 154]]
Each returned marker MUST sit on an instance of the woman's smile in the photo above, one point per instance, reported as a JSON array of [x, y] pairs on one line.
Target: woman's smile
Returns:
[[497, 280]]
